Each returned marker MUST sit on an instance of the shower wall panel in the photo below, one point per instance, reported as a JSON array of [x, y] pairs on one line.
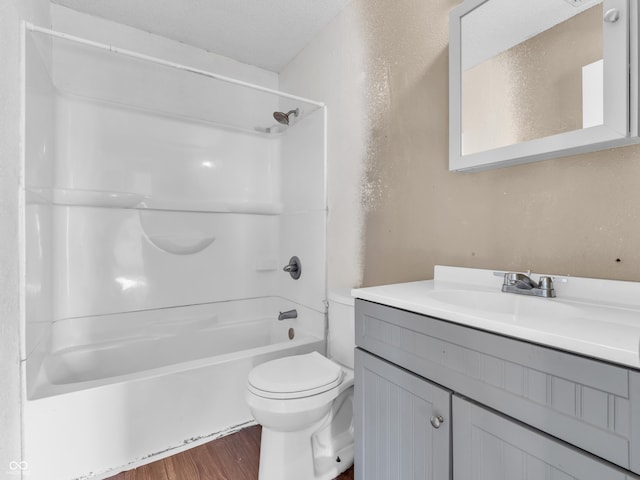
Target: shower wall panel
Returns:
[[303, 222], [174, 162], [147, 201], [39, 151], [303, 166], [111, 260], [203, 226], [302, 234], [177, 211]]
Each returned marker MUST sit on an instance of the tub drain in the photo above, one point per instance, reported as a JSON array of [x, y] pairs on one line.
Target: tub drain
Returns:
[[292, 333]]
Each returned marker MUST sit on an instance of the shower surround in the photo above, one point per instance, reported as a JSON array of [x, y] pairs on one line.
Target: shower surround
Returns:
[[160, 204]]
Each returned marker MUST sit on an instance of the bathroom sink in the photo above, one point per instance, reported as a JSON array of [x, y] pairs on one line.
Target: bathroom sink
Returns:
[[593, 317], [498, 303]]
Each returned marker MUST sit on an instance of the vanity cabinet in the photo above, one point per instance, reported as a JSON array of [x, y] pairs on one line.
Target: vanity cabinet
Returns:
[[518, 410], [489, 446]]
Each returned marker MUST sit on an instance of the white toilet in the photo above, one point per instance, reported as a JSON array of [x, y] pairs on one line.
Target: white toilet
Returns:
[[305, 405]]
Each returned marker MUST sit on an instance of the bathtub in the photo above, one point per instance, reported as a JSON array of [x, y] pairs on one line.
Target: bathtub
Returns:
[[117, 391]]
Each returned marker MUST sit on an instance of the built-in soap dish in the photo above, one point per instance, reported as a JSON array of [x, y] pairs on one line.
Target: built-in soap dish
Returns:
[[181, 243], [178, 233]]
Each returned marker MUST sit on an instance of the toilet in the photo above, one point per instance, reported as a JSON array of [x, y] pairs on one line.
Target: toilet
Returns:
[[305, 405]]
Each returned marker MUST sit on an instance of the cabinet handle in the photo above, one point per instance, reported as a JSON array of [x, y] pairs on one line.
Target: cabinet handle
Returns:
[[437, 420]]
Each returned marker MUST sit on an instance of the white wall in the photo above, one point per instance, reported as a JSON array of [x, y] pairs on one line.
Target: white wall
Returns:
[[12, 12], [111, 33], [332, 68]]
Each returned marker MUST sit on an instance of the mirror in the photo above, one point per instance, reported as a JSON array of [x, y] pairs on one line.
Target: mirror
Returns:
[[532, 80]]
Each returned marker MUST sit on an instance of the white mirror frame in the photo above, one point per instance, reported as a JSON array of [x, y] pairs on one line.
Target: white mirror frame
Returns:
[[620, 51]]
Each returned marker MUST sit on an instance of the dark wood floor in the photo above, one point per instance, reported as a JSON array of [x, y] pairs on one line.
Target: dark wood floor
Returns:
[[234, 457]]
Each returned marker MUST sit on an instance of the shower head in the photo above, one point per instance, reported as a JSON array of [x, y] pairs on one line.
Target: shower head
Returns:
[[283, 118]]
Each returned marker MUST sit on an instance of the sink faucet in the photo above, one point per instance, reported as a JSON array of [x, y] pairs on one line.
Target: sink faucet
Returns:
[[524, 285]]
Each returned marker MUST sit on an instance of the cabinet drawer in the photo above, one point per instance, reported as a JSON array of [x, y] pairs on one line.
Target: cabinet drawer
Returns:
[[487, 446], [588, 403]]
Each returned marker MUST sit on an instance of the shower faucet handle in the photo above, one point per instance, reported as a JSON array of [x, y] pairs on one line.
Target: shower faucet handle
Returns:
[[294, 268]]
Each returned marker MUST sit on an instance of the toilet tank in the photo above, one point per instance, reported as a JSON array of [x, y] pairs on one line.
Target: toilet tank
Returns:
[[341, 336]]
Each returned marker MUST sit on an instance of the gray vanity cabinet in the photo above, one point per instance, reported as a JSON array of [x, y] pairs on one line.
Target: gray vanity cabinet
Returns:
[[403, 422], [489, 446], [519, 410]]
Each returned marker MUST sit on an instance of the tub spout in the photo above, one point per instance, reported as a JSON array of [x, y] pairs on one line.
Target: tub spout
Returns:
[[288, 314]]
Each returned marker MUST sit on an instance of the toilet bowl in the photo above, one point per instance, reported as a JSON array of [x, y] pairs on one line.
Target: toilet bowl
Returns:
[[305, 406]]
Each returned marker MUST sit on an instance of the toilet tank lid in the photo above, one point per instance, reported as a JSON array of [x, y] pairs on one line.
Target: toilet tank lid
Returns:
[[341, 295]]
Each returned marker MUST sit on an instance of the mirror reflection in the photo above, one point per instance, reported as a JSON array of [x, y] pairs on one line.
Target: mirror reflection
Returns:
[[530, 69]]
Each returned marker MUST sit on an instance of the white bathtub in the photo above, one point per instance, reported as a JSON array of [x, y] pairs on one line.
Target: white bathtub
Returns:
[[148, 352], [121, 390]]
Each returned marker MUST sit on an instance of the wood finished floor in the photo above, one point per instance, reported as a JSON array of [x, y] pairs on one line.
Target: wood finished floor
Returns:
[[234, 457]]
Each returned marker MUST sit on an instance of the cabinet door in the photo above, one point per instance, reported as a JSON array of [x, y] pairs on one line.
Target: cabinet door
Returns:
[[488, 446], [395, 413]]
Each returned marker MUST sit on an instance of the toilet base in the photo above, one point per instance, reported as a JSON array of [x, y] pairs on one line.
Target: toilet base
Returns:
[[297, 463], [320, 452]]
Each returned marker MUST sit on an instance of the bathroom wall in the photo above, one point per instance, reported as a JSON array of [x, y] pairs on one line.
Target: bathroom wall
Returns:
[[12, 12], [576, 215], [332, 68]]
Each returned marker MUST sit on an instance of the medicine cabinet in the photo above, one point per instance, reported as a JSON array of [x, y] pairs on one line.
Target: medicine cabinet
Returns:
[[536, 80]]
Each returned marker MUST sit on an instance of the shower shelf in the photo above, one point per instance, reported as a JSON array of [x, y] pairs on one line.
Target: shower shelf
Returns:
[[87, 198], [128, 200]]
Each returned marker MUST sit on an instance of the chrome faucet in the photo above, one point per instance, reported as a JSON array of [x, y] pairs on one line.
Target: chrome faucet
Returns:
[[288, 314], [524, 285]]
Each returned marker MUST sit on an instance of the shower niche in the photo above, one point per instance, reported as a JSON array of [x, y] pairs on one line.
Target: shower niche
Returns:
[[154, 204]]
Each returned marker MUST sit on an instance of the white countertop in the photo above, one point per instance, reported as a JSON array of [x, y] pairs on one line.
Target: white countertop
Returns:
[[596, 318]]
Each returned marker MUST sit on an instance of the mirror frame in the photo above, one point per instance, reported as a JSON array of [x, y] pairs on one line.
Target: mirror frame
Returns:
[[621, 102]]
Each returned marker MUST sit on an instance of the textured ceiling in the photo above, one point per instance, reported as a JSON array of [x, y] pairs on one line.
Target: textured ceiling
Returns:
[[265, 33]]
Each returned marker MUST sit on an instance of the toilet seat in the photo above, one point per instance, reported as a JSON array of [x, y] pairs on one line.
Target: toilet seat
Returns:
[[296, 376]]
